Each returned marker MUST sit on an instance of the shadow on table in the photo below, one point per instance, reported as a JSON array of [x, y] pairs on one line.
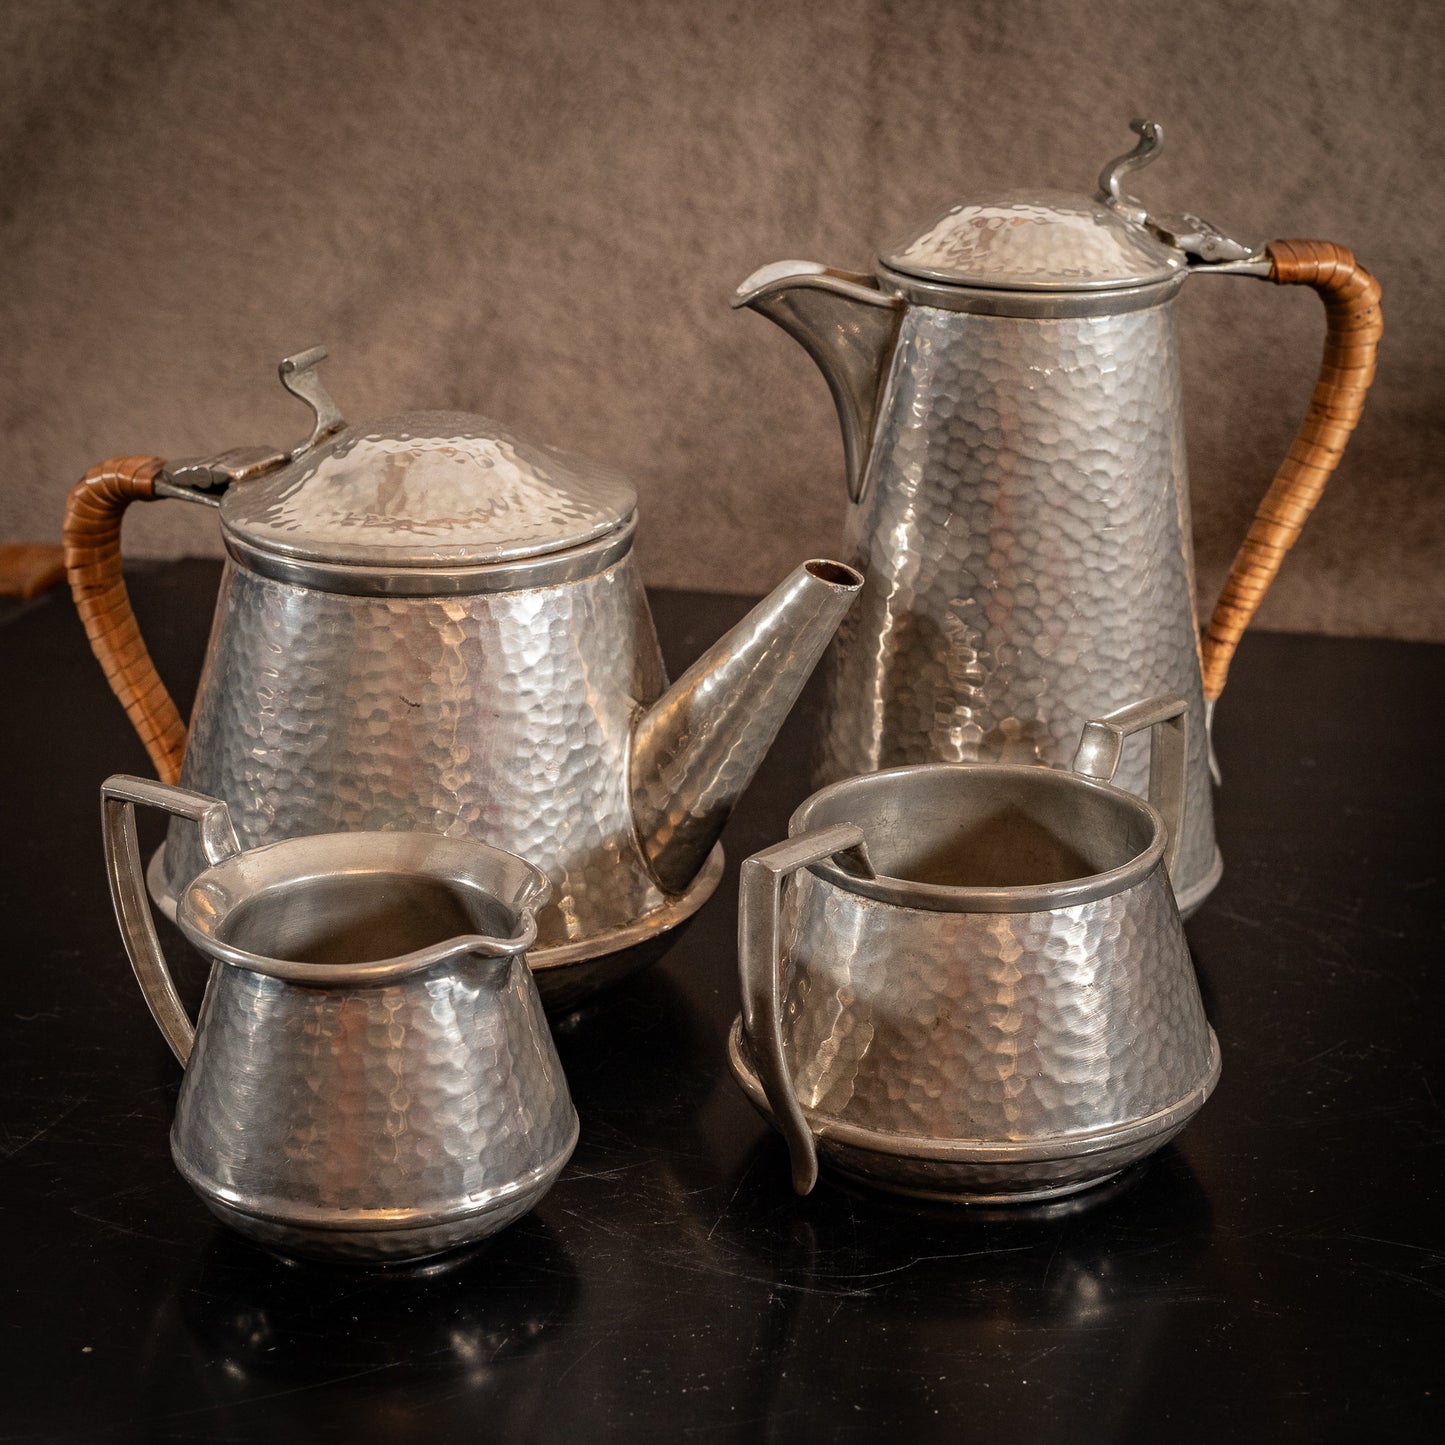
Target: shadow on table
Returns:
[[960, 1291], [267, 1341]]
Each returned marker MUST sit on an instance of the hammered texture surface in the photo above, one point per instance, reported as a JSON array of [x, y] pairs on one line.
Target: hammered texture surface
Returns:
[[1003, 1027], [440, 1093], [696, 752], [1025, 538], [428, 488], [504, 717], [1025, 240]]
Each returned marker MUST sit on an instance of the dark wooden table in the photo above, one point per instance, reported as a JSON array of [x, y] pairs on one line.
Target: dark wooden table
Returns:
[[1275, 1275]]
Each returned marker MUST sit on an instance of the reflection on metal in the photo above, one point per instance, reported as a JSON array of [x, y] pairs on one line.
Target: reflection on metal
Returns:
[[371, 1076], [698, 746], [847, 325], [432, 624], [1008, 383], [996, 1001]]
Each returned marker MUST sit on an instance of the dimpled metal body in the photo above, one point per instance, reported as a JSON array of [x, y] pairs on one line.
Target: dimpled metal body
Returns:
[[431, 624], [1024, 536], [970, 981], [505, 716], [373, 1123], [989, 1054], [371, 1075], [1007, 383]]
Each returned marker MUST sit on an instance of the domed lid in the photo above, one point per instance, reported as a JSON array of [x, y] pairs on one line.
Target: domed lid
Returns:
[[1035, 241], [428, 489]]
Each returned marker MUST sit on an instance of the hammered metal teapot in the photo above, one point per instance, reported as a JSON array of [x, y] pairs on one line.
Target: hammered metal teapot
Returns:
[[431, 624], [1008, 387]]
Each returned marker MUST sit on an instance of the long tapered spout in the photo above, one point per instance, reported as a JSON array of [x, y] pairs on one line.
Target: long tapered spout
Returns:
[[697, 747], [848, 326]]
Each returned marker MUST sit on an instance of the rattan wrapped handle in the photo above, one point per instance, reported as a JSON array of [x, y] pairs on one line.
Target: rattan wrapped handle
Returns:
[[1352, 311], [91, 537]]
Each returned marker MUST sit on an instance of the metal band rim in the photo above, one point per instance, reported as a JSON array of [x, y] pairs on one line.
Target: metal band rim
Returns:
[[1037, 305], [356, 580], [830, 1130]]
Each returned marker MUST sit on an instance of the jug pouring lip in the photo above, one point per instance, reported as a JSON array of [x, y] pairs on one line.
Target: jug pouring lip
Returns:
[[849, 801], [367, 974], [212, 899]]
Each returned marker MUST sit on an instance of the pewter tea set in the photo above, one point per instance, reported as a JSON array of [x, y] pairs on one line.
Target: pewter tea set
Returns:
[[963, 974]]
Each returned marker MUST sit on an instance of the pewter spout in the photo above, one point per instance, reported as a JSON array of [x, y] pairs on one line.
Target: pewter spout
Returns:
[[848, 326], [696, 749]]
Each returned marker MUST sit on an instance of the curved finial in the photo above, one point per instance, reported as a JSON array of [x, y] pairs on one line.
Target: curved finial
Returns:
[[300, 377], [1151, 142]]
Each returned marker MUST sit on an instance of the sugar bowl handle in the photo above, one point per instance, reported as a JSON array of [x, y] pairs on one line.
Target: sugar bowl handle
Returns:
[[759, 970], [119, 796], [1102, 744]]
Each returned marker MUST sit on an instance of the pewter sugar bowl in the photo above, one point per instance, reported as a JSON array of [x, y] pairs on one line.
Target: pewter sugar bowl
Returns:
[[431, 624], [969, 981]]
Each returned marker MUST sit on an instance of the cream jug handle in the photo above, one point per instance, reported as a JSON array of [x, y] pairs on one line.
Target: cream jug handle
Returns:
[[119, 796], [1354, 325], [1101, 745], [759, 970]]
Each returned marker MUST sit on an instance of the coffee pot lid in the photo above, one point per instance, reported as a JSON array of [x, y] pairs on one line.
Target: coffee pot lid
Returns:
[[1035, 241], [426, 489], [1058, 240]]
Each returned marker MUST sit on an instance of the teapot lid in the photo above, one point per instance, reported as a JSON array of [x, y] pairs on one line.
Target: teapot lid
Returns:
[[423, 490], [1035, 241]]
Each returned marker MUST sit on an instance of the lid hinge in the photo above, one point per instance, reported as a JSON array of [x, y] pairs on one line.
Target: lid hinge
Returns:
[[203, 479], [1201, 242]]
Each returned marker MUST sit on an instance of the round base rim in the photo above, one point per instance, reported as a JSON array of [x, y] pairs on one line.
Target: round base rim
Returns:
[[1135, 1139]]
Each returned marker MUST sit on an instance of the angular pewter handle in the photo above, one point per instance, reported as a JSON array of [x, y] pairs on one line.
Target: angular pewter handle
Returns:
[[119, 796], [1101, 745], [759, 968], [90, 538]]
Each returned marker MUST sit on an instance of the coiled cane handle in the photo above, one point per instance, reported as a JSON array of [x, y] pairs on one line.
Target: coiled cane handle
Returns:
[[91, 538], [1352, 310]]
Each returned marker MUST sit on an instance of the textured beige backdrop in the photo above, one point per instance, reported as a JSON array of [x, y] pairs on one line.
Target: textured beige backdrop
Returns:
[[538, 210]]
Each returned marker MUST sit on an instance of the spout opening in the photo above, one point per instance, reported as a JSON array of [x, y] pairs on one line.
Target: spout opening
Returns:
[[835, 574]]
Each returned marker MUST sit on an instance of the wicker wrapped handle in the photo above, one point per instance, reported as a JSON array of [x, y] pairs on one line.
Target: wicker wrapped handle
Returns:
[[1352, 310], [91, 537]]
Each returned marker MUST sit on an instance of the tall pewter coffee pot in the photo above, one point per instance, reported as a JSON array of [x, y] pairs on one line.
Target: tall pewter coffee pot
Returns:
[[1008, 387], [428, 623]]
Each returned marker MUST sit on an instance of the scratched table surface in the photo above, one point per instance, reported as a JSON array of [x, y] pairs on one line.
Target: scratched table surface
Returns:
[[1274, 1275]]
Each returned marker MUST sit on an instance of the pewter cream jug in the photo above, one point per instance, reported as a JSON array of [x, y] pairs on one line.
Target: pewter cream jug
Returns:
[[371, 1076], [431, 624], [1008, 388], [970, 981]]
